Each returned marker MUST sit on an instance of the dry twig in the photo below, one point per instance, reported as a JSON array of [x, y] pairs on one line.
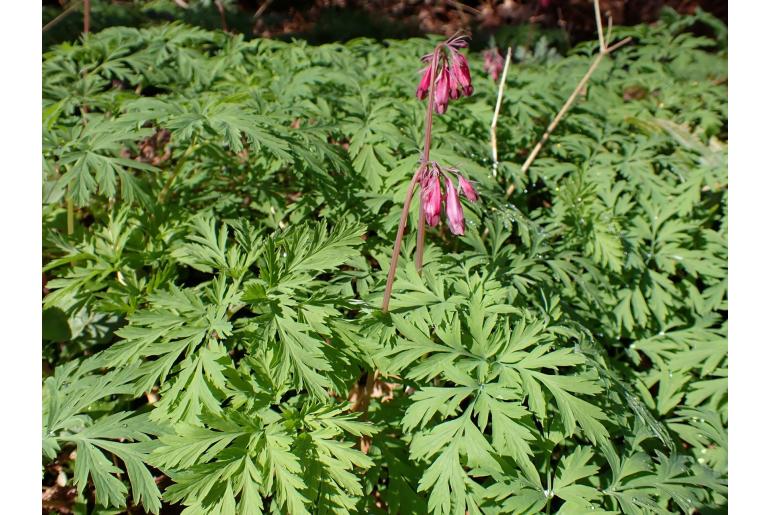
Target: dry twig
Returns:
[[66, 12], [262, 8], [603, 51], [493, 127]]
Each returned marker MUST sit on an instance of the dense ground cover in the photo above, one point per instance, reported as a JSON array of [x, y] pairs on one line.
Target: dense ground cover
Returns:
[[218, 217]]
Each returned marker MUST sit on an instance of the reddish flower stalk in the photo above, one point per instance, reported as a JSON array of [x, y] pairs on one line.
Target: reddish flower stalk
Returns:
[[425, 157], [446, 78]]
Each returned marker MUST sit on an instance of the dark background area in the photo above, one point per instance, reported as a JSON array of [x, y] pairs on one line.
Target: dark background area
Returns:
[[322, 21]]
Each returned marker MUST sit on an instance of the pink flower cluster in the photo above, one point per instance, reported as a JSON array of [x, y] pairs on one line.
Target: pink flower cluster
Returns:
[[432, 197], [452, 75], [493, 63]]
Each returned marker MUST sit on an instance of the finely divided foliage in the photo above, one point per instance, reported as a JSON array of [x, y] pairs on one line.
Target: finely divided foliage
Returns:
[[218, 218]]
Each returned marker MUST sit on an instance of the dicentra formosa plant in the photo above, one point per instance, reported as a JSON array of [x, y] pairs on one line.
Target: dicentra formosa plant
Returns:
[[493, 63], [447, 77]]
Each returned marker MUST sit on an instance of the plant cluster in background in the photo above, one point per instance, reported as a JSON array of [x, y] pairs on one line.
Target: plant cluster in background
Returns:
[[218, 221]]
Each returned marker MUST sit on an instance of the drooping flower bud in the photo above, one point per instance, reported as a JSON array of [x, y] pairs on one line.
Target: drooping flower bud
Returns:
[[452, 77], [493, 63], [467, 189], [454, 86], [442, 92], [454, 211], [422, 89], [460, 68], [431, 198]]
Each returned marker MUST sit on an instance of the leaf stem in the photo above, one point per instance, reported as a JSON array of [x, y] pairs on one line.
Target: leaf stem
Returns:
[[182, 160]]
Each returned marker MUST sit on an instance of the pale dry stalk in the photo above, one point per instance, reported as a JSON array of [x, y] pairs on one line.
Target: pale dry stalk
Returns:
[[493, 127], [66, 12], [603, 51]]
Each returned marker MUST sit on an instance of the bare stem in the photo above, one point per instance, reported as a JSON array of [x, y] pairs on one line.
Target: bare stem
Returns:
[[262, 8], [420, 239], [399, 237], [66, 12], [603, 50], [619, 44], [562, 112], [599, 29], [222, 17], [493, 127], [86, 16]]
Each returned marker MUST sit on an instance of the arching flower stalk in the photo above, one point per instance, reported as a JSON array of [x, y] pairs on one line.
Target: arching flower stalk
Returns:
[[446, 77]]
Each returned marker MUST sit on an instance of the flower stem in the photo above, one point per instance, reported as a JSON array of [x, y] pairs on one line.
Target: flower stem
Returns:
[[420, 239], [399, 237], [426, 154], [431, 101]]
